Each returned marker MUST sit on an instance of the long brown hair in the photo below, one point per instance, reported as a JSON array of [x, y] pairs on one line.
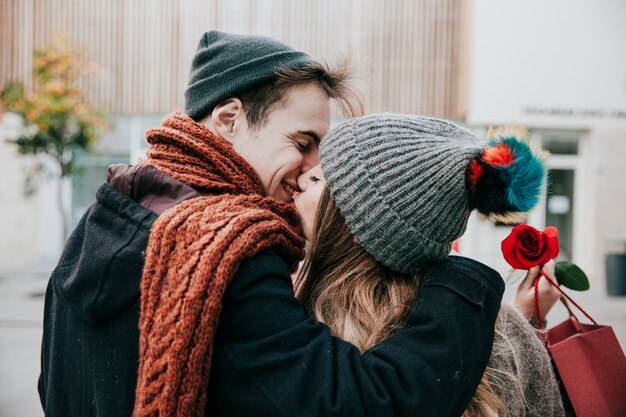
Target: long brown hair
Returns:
[[361, 300]]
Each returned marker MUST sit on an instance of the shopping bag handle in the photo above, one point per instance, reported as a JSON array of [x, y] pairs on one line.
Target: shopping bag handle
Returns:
[[555, 285]]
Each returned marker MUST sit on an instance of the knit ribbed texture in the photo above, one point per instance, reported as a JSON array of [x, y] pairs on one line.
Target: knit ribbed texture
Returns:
[[188, 151], [226, 65], [194, 250], [399, 182]]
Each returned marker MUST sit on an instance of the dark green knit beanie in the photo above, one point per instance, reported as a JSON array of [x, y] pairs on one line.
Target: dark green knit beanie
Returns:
[[226, 65]]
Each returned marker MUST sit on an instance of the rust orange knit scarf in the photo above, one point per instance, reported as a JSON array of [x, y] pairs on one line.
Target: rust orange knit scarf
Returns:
[[194, 250]]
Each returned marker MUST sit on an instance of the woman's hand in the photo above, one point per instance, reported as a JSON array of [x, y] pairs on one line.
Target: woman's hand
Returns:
[[524, 299]]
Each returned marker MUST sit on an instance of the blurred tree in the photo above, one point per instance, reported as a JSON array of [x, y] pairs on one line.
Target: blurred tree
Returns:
[[59, 123]]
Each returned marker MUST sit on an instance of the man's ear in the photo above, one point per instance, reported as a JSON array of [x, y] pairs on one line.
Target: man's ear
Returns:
[[228, 118]]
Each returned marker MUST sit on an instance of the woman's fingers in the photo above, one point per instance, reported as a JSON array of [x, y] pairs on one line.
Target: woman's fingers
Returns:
[[548, 293], [524, 298], [548, 269], [529, 279]]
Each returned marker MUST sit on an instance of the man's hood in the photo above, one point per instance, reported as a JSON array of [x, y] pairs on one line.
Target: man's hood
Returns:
[[100, 270]]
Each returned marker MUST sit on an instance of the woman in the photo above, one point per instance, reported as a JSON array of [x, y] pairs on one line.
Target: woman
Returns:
[[398, 191]]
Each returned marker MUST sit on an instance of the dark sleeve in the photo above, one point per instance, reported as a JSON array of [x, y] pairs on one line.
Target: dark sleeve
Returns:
[[272, 358]]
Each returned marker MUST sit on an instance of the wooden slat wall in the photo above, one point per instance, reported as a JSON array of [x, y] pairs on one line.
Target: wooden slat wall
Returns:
[[407, 50]]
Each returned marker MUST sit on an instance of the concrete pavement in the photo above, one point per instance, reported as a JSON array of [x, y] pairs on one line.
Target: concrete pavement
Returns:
[[21, 309]]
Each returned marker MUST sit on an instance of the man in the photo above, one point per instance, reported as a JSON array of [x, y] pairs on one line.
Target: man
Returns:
[[207, 211]]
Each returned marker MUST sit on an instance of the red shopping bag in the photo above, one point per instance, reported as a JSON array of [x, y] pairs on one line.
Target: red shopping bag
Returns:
[[592, 367], [590, 364]]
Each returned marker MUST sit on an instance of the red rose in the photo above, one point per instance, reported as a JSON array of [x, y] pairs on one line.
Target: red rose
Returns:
[[526, 246]]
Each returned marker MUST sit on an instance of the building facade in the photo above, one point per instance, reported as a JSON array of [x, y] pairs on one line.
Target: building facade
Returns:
[[409, 55], [559, 69]]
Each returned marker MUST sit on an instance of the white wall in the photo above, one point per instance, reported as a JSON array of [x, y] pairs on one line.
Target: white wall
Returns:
[[532, 57], [18, 214], [608, 171], [558, 64], [50, 226]]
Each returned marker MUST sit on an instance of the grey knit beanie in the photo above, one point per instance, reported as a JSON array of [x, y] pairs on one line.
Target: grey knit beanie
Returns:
[[226, 65], [400, 183]]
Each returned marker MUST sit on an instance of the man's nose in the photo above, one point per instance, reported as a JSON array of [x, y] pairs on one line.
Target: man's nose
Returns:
[[303, 181], [309, 161]]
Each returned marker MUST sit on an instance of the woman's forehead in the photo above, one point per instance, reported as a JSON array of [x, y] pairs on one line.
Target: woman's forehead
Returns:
[[317, 169]]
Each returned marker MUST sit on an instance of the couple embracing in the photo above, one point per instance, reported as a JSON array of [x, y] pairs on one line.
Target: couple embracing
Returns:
[[180, 293]]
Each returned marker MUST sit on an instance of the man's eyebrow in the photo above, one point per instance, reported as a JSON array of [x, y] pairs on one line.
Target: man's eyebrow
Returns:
[[312, 134]]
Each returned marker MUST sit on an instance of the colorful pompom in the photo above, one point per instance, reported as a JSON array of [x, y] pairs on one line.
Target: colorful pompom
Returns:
[[499, 155], [475, 172], [505, 179]]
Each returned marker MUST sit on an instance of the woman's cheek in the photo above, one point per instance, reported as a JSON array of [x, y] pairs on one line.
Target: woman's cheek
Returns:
[[304, 213]]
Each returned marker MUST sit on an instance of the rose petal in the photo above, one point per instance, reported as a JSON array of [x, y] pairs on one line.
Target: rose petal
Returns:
[[508, 248], [510, 252], [525, 262], [552, 241], [551, 231], [532, 243]]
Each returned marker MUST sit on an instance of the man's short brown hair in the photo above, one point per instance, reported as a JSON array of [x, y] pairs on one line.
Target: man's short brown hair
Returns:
[[337, 82]]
